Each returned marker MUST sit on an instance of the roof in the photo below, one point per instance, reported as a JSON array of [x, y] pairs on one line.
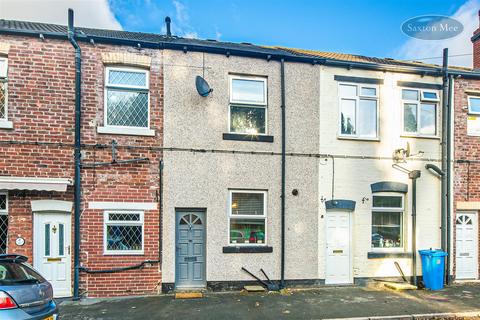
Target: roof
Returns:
[[243, 49], [364, 59]]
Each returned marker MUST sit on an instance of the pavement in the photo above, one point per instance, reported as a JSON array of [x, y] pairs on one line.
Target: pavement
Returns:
[[454, 302]]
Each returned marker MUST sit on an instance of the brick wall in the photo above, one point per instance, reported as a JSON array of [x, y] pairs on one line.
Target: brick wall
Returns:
[[41, 106], [466, 179]]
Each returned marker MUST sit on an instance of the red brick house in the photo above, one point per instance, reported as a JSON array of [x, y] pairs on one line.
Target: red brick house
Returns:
[[466, 181], [121, 138]]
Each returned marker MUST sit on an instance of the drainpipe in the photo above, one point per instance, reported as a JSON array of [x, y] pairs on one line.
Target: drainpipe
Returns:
[[77, 186], [444, 190], [445, 152], [414, 175], [282, 266], [449, 174]]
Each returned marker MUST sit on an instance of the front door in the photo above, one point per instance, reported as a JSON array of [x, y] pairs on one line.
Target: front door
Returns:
[[51, 250], [338, 264], [190, 250], [466, 246]]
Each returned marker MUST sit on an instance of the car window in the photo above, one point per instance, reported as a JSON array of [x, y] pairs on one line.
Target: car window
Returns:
[[18, 273]]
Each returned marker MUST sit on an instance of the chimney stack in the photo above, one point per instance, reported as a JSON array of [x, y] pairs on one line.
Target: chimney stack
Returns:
[[476, 46], [167, 22]]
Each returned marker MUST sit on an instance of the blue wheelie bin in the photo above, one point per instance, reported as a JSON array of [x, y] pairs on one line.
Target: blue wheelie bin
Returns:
[[433, 268]]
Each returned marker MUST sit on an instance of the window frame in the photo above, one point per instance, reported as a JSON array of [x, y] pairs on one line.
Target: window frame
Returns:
[[392, 210], [418, 103], [251, 217], [357, 99], [247, 104], [469, 105], [117, 87], [4, 79], [107, 222]]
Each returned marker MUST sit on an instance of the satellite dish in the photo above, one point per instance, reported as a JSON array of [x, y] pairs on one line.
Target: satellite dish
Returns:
[[202, 86]]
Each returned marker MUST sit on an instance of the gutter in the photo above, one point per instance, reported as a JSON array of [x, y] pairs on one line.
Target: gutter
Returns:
[[179, 45], [77, 154]]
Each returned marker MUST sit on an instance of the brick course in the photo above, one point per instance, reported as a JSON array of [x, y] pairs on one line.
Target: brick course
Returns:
[[41, 106]]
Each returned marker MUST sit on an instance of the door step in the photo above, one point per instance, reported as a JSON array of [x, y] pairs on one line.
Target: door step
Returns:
[[254, 288], [399, 286], [189, 295]]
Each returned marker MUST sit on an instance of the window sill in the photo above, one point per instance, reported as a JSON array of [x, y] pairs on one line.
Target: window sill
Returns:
[[419, 136], [386, 255], [247, 249], [247, 137], [358, 138], [4, 124], [136, 253], [127, 131]]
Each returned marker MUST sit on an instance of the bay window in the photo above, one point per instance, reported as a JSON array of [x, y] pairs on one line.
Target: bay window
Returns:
[[420, 112], [387, 222], [247, 217], [248, 105], [358, 110]]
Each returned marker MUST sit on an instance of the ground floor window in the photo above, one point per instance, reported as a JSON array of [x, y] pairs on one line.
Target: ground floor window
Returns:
[[247, 217], [123, 232], [387, 222], [3, 222]]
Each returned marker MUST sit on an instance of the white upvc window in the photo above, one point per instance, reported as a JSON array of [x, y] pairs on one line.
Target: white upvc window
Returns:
[[123, 232], [420, 112], [474, 105], [247, 215], [387, 222], [126, 101], [358, 110], [3, 222], [248, 105]]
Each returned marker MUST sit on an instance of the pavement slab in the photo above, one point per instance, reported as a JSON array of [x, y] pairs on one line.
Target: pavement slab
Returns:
[[320, 303]]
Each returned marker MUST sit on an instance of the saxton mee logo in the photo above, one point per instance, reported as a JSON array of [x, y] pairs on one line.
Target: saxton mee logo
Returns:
[[432, 27]]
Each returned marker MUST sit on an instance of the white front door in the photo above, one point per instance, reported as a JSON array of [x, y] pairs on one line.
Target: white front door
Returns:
[[51, 250], [338, 264], [466, 246]]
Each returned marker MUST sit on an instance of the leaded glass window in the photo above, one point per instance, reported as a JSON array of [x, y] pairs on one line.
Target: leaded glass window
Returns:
[[127, 98], [3, 223], [124, 232], [3, 89]]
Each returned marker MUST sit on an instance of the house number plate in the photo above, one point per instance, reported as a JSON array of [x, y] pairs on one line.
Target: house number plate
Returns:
[[190, 259]]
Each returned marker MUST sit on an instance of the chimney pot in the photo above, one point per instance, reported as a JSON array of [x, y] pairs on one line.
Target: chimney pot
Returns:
[[168, 21]]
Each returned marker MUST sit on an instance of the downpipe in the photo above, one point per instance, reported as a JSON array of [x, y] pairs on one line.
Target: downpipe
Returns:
[[414, 175], [282, 265], [77, 154]]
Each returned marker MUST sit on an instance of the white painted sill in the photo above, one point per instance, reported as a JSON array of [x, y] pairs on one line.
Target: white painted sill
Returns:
[[123, 253], [358, 138], [5, 124], [418, 136], [127, 131]]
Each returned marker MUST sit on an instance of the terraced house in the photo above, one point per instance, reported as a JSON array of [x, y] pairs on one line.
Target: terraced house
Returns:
[[142, 163]]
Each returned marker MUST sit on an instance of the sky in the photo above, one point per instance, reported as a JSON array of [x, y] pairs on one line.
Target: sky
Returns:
[[367, 27]]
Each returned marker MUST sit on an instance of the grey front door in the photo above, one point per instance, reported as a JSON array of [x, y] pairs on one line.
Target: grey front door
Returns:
[[190, 249]]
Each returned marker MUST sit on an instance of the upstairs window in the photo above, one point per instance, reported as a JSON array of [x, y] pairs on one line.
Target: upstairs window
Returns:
[[420, 112], [248, 105], [127, 98], [358, 110], [3, 89], [474, 105], [387, 222], [247, 215]]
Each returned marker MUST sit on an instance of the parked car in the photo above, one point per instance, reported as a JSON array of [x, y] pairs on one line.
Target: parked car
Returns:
[[24, 293]]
